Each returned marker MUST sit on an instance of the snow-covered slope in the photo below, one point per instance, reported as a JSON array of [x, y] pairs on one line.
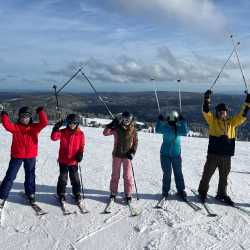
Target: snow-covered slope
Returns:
[[177, 227]]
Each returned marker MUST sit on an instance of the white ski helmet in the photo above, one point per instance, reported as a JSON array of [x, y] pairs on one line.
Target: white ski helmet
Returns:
[[173, 116]]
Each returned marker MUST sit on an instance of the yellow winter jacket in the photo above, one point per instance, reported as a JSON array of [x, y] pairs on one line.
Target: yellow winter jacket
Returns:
[[222, 133]]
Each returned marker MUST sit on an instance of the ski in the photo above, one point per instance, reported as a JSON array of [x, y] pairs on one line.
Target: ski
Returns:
[[108, 209], [234, 206], [209, 211], [133, 211], [160, 204], [65, 209], [246, 211], [82, 207], [64, 206], [38, 210], [1, 212], [109, 206], [194, 206]]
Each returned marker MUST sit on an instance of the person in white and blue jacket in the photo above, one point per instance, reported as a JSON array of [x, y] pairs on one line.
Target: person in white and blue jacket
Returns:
[[172, 128]]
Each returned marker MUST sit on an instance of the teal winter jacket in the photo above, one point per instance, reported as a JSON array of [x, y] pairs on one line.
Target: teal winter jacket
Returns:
[[171, 145]]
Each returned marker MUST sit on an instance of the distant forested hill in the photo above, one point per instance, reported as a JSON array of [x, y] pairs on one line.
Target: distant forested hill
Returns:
[[141, 104]]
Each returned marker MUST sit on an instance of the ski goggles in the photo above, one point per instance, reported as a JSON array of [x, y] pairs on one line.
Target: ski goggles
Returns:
[[126, 120], [25, 115], [73, 122]]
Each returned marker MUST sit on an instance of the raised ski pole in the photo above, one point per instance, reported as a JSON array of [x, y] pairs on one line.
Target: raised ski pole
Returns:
[[240, 66], [156, 97], [179, 90], [222, 68], [137, 196], [58, 112], [56, 92], [97, 95], [70, 79], [80, 169], [56, 96]]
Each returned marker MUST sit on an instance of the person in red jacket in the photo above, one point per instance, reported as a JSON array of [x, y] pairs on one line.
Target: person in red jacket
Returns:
[[72, 141], [23, 149]]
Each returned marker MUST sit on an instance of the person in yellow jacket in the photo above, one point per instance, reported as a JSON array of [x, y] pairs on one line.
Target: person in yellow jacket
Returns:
[[221, 146]]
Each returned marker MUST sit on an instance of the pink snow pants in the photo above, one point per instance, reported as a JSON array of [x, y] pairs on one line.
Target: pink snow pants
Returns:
[[127, 175]]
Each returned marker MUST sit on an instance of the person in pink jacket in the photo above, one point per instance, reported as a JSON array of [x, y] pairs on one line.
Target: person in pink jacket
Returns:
[[125, 145]]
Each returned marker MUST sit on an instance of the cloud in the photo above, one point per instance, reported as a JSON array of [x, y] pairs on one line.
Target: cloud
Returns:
[[168, 68], [193, 13]]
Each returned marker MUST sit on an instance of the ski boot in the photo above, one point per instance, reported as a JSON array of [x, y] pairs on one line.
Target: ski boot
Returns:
[[182, 194], [225, 198], [112, 197], [164, 195], [61, 197], [128, 199], [31, 198], [203, 197], [2, 202], [78, 198]]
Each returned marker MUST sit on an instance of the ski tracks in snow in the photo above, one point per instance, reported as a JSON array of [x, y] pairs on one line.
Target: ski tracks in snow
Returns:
[[185, 227]]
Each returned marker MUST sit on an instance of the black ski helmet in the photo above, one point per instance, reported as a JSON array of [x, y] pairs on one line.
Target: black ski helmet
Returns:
[[73, 118], [221, 107], [25, 110], [126, 118]]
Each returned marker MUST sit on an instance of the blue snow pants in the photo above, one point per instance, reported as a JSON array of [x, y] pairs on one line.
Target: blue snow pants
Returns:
[[29, 183], [167, 164]]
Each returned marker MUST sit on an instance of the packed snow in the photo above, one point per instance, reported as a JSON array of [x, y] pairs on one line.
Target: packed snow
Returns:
[[177, 226]]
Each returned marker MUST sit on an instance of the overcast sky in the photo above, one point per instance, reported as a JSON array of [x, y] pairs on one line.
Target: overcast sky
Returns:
[[123, 44]]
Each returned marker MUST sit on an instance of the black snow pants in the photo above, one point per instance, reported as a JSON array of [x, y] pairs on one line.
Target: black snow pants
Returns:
[[72, 170]]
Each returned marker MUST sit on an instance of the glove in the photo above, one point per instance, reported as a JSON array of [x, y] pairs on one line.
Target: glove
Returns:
[[181, 118], [245, 111], [4, 113], [207, 94], [39, 109], [113, 124], [247, 98], [58, 125], [79, 156], [130, 154], [160, 117]]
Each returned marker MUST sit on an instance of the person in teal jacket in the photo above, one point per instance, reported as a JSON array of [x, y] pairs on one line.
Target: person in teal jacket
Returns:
[[172, 128]]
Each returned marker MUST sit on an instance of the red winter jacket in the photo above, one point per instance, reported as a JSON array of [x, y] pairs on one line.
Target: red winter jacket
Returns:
[[71, 143], [25, 137]]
